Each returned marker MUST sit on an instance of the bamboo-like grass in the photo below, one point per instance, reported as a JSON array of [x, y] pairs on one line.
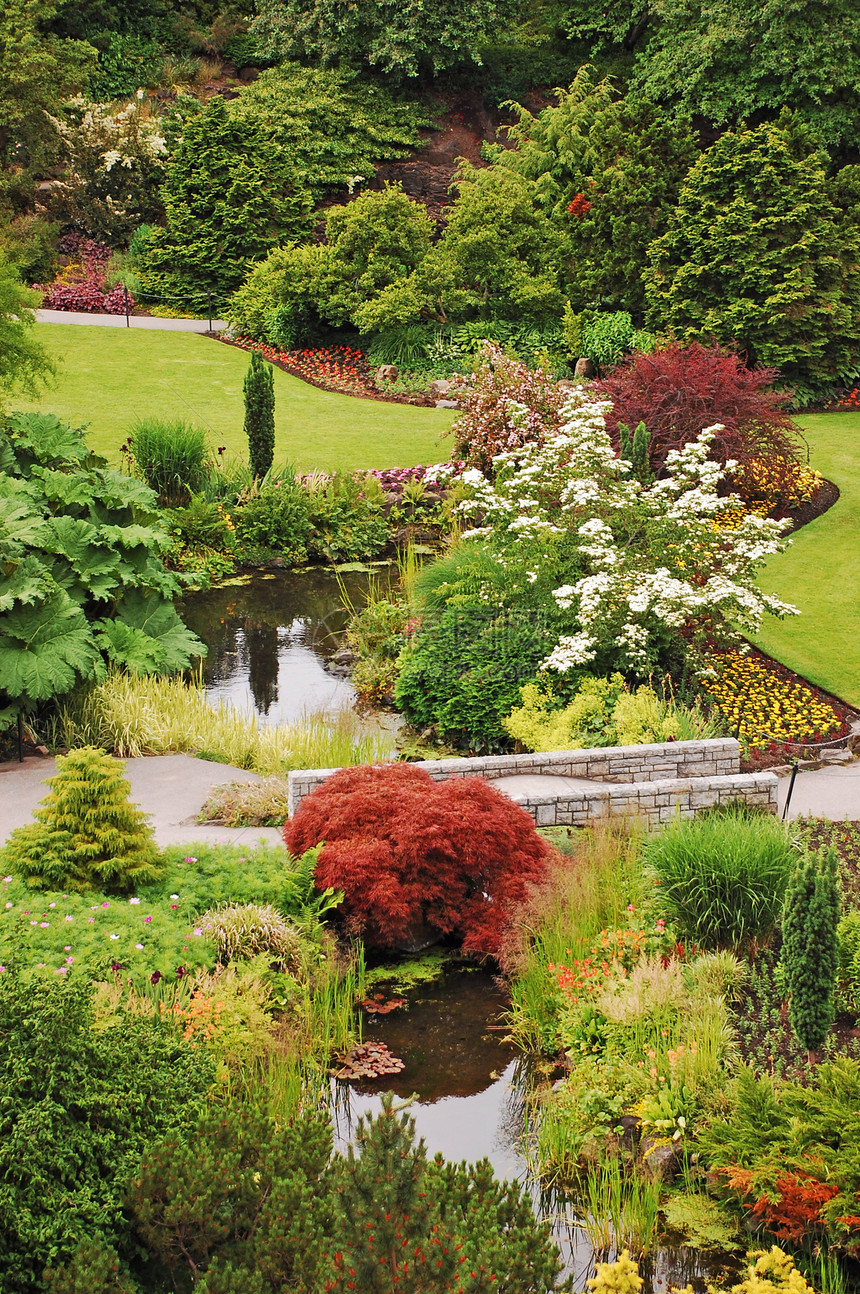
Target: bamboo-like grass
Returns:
[[132, 716]]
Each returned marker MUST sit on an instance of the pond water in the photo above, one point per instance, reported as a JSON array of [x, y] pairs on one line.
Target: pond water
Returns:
[[470, 1085], [271, 636]]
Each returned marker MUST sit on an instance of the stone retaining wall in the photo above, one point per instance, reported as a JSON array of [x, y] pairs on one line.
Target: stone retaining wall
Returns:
[[651, 802], [716, 758]]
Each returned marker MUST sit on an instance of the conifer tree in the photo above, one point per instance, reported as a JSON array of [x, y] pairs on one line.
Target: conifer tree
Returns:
[[259, 391], [87, 834], [810, 949]]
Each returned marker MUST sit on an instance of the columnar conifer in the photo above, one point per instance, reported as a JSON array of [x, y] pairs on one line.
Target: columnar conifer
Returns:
[[810, 948], [259, 391]]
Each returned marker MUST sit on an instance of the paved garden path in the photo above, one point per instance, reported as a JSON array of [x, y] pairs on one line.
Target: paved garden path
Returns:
[[170, 788], [134, 321]]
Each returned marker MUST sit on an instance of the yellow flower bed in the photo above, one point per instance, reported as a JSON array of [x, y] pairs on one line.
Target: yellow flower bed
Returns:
[[777, 480], [764, 704]]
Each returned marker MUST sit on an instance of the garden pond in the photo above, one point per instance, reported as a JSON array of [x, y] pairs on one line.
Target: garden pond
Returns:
[[273, 635], [470, 1086]]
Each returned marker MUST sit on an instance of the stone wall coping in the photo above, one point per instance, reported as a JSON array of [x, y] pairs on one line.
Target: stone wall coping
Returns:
[[636, 791]]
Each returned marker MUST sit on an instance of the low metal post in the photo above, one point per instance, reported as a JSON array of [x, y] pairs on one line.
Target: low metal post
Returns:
[[790, 789], [209, 297], [125, 294]]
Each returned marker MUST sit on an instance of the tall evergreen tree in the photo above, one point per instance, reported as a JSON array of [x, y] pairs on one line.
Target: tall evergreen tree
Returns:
[[810, 948], [259, 391], [761, 252]]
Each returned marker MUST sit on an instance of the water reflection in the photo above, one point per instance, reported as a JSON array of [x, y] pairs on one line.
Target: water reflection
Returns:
[[471, 1089], [270, 637]]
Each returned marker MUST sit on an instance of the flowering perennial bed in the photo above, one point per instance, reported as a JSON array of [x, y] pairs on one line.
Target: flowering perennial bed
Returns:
[[770, 708], [337, 368]]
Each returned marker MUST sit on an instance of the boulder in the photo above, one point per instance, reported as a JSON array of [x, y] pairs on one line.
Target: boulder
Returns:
[[447, 404], [584, 368], [659, 1158], [387, 373], [440, 388]]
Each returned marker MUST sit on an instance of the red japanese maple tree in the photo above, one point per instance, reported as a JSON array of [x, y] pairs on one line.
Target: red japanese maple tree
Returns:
[[679, 390], [414, 856]]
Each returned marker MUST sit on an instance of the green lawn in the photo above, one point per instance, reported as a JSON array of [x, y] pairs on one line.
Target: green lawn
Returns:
[[110, 376], [820, 572]]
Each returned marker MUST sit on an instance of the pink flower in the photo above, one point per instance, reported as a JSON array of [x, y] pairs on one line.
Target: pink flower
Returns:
[[69, 961], [146, 920], [68, 918], [198, 931], [134, 900], [44, 924], [90, 920], [105, 904], [191, 860], [68, 948], [138, 947]]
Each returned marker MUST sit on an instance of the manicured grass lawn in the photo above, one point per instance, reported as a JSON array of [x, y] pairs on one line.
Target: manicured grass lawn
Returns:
[[820, 572], [110, 376]]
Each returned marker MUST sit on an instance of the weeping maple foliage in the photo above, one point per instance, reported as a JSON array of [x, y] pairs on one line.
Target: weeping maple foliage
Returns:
[[679, 390], [417, 858]]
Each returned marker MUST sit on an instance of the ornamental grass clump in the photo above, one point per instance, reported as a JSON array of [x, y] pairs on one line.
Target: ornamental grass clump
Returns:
[[87, 834], [242, 930], [722, 876], [172, 457]]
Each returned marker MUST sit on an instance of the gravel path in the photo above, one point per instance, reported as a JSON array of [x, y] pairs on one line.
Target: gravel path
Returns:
[[134, 321]]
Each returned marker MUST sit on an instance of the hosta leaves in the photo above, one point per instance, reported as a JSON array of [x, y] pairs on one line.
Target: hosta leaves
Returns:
[[45, 649]]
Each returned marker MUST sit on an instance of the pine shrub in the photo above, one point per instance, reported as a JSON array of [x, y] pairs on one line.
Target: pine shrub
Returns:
[[418, 859], [810, 948], [87, 834], [259, 389]]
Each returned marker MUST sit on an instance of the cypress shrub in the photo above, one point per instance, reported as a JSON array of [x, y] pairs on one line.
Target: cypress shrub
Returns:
[[810, 949], [259, 391]]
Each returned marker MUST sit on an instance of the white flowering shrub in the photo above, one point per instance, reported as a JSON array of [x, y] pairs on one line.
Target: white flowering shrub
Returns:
[[633, 567], [115, 160]]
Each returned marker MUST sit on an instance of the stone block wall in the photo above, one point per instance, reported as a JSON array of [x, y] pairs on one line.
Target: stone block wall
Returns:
[[718, 757], [653, 803]]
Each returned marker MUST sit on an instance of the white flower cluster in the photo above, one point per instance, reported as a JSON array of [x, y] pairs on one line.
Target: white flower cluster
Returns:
[[640, 560]]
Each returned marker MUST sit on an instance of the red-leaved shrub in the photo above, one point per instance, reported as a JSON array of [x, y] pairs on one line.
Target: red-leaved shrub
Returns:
[[80, 286], [417, 858], [679, 390]]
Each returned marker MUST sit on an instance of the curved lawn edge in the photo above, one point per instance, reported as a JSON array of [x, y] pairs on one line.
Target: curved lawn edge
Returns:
[[110, 376], [820, 571]]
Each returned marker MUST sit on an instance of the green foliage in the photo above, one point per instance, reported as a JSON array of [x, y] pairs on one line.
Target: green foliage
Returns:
[[636, 451], [810, 948], [78, 1105], [37, 71], [87, 834], [602, 712], [347, 524], [702, 1221], [81, 580], [729, 63], [94, 1269], [848, 934], [259, 390], [171, 457], [464, 669], [393, 1209], [498, 258], [275, 519], [761, 253], [606, 171], [24, 363], [777, 1135], [242, 1203], [114, 163], [402, 40], [723, 875], [228, 198]]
